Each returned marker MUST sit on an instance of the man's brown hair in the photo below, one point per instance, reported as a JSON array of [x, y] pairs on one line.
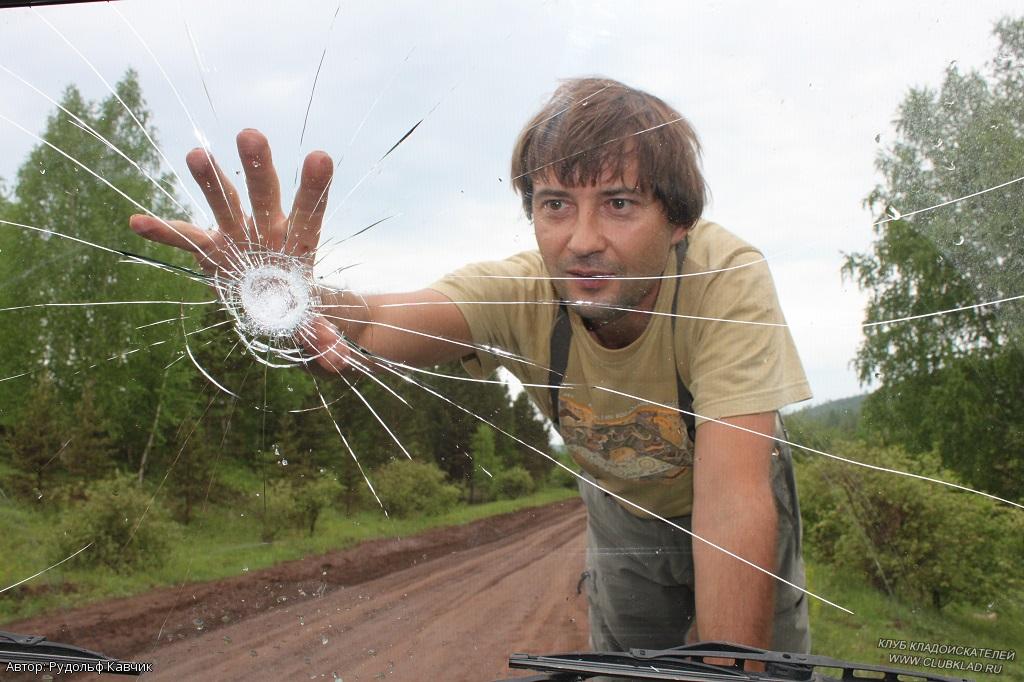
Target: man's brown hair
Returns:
[[592, 126]]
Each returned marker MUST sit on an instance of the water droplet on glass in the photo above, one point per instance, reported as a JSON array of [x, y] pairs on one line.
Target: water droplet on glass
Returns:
[[894, 213], [227, 640], [245, 569], [42, 171], [323, 639], [302, 621], [284, 462], [198, 622], [878, 138], [291, 390], [959, 240]]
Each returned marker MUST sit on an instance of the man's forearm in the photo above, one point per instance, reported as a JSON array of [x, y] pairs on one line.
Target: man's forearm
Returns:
[[418, 328], [734, 601]]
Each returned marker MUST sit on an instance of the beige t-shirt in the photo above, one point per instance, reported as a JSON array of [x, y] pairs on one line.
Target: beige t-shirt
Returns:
[[731, 348]]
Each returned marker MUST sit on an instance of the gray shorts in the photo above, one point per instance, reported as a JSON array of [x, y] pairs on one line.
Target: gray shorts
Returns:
[[639, 576]]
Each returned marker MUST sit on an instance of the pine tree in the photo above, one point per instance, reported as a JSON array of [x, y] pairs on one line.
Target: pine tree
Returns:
[[34, 443]]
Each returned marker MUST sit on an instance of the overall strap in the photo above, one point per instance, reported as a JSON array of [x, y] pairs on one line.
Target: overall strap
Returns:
[[561, 340], [684, 399]]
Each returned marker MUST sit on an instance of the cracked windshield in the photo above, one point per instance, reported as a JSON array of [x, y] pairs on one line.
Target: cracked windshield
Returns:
[[471, 342]]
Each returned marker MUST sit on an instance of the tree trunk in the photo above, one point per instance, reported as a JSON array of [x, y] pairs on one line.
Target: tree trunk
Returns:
[[152, 429]]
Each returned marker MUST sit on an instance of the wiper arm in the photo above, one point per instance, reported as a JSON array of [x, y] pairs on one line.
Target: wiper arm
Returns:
[[687, 663], [34, 654]]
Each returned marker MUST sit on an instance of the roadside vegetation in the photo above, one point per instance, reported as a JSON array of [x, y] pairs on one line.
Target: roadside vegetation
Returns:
[[220, 542], [913, 560]]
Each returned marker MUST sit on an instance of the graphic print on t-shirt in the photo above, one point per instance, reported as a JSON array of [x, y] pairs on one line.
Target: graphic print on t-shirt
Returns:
[[647, 442]]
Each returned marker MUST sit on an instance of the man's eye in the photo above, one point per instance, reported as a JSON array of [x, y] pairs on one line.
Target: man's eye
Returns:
[[619, 204], [554, 204]]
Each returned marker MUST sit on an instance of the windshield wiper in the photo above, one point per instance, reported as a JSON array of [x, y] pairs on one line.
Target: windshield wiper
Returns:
[[687, 663], [34, 654]]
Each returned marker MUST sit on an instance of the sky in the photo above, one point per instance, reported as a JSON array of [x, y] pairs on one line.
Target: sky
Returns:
[[788, 99]]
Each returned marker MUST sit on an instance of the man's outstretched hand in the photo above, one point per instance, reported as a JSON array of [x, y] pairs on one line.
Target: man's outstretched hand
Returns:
[[222, 249]]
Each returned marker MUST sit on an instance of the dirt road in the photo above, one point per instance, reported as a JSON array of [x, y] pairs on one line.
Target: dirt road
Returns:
[[450, 604]]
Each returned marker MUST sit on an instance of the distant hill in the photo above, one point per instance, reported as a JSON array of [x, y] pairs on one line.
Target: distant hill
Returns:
[[842, 406], [842, 414]]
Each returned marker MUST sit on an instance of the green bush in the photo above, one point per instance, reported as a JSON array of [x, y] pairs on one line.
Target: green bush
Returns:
[[409, 487], [559, 477], [127, 528], [909, 537], [509, 484], [314, 496], [278, 511], [296, 503]]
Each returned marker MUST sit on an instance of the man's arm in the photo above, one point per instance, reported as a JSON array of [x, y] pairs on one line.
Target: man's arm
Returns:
[[733, 507], [418, 328]]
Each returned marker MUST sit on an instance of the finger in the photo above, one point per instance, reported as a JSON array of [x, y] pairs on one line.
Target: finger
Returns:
[[219, 192], [208, 246], [307, 214], [264, 188], [176, 233]]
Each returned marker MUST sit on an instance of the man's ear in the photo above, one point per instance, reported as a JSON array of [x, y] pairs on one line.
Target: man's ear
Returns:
[[679, 233]]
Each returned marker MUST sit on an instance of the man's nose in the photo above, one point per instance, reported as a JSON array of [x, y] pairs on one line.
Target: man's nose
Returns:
[[587, 234]]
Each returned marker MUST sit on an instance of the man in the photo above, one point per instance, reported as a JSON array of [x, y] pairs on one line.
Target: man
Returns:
[[652, 339]]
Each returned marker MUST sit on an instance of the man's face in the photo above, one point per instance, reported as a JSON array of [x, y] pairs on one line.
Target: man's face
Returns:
[[600, 237]]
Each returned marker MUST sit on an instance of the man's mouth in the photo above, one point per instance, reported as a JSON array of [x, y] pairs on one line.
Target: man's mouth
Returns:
[[589, 274], [590, 279]]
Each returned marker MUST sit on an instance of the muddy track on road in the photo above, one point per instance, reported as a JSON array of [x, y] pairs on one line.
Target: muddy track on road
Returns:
[[448, 604]]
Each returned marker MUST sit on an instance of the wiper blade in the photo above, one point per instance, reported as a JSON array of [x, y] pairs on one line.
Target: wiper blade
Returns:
[[687, 663], [34, 654]]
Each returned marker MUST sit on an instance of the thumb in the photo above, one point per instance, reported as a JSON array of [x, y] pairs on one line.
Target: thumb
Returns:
[[330, 350]]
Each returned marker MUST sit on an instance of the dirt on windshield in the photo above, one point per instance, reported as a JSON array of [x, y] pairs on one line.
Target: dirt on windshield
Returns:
[[448, 604]]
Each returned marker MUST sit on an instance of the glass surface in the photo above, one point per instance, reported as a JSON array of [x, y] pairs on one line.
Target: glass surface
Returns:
[[118, 363]]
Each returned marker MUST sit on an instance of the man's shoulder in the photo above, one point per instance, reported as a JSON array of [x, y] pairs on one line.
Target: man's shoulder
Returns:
[[711, 246], [521, 275]]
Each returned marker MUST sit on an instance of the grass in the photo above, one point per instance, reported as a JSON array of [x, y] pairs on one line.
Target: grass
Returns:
[[856, 638], [220, 542]]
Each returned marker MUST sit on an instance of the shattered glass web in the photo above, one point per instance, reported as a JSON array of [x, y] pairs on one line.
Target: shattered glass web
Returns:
[[270, 299]]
